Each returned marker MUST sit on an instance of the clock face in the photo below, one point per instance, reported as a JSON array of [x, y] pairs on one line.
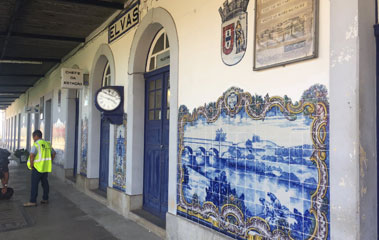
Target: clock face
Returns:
[[108, 99]]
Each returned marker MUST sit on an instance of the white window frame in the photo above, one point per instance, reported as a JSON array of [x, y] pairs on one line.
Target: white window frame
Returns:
[[107, 78], [151, 55]]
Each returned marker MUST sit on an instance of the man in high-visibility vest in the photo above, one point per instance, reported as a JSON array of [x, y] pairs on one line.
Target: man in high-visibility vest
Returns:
[[40, 162]]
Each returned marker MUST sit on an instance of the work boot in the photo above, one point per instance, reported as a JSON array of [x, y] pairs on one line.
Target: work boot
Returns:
[[30, 204]]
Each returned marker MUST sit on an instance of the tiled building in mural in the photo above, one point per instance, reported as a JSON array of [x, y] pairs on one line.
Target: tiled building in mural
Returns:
[[222, 119]]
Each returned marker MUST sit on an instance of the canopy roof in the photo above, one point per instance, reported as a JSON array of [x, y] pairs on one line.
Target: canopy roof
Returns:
[[36, 34]]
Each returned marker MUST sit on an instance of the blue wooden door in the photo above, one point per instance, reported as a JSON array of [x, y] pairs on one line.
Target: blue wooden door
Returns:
[[76, 136], [104, 155], [157, 112]]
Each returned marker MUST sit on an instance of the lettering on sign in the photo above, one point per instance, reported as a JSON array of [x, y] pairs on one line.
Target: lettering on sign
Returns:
[[124, 23], [163, 59], [72, 78]]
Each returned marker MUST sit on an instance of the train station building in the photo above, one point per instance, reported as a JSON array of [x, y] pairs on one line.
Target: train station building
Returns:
[[218, 119]]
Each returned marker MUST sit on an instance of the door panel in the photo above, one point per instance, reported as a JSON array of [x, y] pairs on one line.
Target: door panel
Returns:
[[36, 121], [152, 196], [104, 155], [164, 181], [19, 132], [29, 132], [156, 143], [76, 136], [48, 120]]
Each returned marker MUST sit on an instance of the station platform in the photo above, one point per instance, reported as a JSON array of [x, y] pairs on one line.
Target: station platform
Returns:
[[70, 214]]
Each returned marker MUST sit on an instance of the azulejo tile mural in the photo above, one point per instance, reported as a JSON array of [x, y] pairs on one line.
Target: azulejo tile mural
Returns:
[[59, 142], [119, 164], [84, 146], [256, 167]]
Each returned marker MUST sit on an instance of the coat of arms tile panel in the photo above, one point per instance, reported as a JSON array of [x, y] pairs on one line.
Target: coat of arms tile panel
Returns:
[[233, 31], [256, 167]]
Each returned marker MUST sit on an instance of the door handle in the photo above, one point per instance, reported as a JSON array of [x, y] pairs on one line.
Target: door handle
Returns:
[[162, 146]]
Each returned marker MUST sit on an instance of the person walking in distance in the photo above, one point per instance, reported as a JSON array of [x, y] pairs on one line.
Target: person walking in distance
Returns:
[[40, 163]]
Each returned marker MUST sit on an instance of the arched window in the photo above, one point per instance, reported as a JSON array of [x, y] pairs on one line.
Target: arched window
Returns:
[[213, 157], [106, 76], [200, 156], [159, 54]]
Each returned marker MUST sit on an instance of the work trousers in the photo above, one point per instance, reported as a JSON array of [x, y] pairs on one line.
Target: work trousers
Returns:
[[36, 178]]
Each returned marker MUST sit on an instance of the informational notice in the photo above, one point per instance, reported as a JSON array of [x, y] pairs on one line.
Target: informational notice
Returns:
[[72, 78], [286, 32], [124, 23]]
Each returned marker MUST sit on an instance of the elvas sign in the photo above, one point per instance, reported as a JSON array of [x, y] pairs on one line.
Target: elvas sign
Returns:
[[124, 23]]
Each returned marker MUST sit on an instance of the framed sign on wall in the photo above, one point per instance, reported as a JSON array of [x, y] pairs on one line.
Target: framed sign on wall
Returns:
[[286, 31]]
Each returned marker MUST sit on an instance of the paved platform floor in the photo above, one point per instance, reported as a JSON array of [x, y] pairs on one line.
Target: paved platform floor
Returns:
[[69, 215]]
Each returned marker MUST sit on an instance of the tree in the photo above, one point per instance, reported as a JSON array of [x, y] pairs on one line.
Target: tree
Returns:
[[220, 135]]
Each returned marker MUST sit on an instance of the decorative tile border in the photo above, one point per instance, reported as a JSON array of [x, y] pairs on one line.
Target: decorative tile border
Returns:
[[226, 210], [84, 146], [119, 162], [59, 158]]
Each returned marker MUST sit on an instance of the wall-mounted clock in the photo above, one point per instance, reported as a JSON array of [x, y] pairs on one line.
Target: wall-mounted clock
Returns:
[[108, 99], [110, 102]]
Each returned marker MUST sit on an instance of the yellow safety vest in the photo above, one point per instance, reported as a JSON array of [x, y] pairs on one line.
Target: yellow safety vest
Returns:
[[43, 160]]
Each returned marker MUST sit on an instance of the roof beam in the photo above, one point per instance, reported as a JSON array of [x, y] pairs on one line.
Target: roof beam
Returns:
[[16, 11], [9, 95], [44, 37], [16, 85], [23, 75], [99, 3], [11, 92], [24, 59], [5, 100]]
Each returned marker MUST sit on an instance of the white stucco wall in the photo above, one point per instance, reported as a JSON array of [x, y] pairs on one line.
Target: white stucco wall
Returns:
[[203, 77], [199, 32]]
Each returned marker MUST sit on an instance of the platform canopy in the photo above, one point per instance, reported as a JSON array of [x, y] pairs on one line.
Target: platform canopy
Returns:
[[36, 34]]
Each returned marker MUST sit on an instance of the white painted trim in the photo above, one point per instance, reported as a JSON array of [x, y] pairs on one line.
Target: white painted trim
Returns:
[[102, 57], [47, 97], [154, 20], [344, 125], [70, 105]]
